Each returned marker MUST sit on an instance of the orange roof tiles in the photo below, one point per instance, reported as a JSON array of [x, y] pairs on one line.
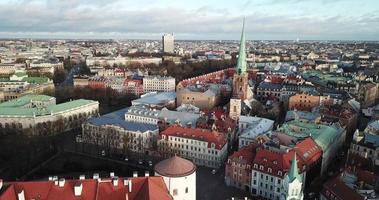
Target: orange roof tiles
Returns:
[[197, 134], [175, 167], [143, 188]]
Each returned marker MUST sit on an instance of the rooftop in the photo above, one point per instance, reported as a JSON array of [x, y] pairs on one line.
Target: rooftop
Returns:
[[143, 188], [175, 167]]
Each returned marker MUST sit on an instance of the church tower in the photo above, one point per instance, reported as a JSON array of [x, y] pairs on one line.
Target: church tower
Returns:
[[240, 78], [293, 183], [241, 89]]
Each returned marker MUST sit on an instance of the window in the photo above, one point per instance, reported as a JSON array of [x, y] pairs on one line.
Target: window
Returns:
[[186, 190], [175, 192]]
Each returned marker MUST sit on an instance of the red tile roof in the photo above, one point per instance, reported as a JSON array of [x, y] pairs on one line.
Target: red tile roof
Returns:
[[175, 167], [197, 134], [339, 190], [247, 153], [143, 188], [307, 152]]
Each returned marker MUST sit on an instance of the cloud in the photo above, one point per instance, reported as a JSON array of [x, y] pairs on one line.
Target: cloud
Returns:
[[116, 19]]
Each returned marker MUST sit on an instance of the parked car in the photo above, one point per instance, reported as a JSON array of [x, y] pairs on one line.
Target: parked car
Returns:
[[150, 163], [140, 161]]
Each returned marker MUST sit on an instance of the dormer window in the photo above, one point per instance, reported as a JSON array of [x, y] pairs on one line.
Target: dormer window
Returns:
[[279, 173], [261, 167], [275, 162], [269, 170], [255, 166]]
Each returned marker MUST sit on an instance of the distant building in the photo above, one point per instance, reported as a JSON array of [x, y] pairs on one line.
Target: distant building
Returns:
[[203, 147], [202, 96], [168, 43], [156, 100], [366, 143], [133, 87], [80, 81], [158, 84], [305, 102], [368, 94]]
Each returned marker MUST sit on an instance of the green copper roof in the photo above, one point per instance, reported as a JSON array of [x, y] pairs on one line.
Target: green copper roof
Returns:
[[17, 107], [294, 171], [24, 100], [241, 63], [322, 134], [36, 80]]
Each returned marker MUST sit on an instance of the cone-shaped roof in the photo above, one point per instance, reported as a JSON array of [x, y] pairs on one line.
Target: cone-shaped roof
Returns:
[[175, 167], [241, 63], [294, 171]]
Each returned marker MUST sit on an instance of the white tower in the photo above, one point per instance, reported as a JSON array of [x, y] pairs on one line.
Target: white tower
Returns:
[[235, 108], [179, 176], [293, 183]]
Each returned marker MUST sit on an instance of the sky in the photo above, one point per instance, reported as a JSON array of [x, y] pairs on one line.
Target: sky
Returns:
[[191, 19]]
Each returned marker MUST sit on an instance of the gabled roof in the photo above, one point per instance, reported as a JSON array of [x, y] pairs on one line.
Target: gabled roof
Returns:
[[197, 134], [143, 188]]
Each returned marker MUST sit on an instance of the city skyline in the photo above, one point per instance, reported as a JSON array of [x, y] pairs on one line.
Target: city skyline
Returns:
[[190, 20]]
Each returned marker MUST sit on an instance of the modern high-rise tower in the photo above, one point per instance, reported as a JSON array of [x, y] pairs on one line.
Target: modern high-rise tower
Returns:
[[168, 43]]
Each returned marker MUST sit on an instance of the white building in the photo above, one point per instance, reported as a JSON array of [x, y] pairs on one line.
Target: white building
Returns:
[[276, 183], [168, 43], [112, 131], [40, 112], [158, 84], [180, 177], [203, 147], [366, 143], [251, 127]]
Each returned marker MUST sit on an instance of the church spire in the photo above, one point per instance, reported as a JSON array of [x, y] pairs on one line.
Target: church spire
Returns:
[[294, 171], [241, 63]]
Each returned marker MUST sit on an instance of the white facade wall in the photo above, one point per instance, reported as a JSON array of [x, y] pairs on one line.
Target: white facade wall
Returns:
[[196, 150], [181, 188], [32, 121], [267, 185], [141, 118], [140, 141], [158, 84]]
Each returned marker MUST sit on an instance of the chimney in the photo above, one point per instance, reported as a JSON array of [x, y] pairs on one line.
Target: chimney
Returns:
[[111, 174], [147, 173], [96, 176], [78, 188], [115, 181], [61, 182], [135, 174], [82, 177], [130, 185], [21, 195]]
